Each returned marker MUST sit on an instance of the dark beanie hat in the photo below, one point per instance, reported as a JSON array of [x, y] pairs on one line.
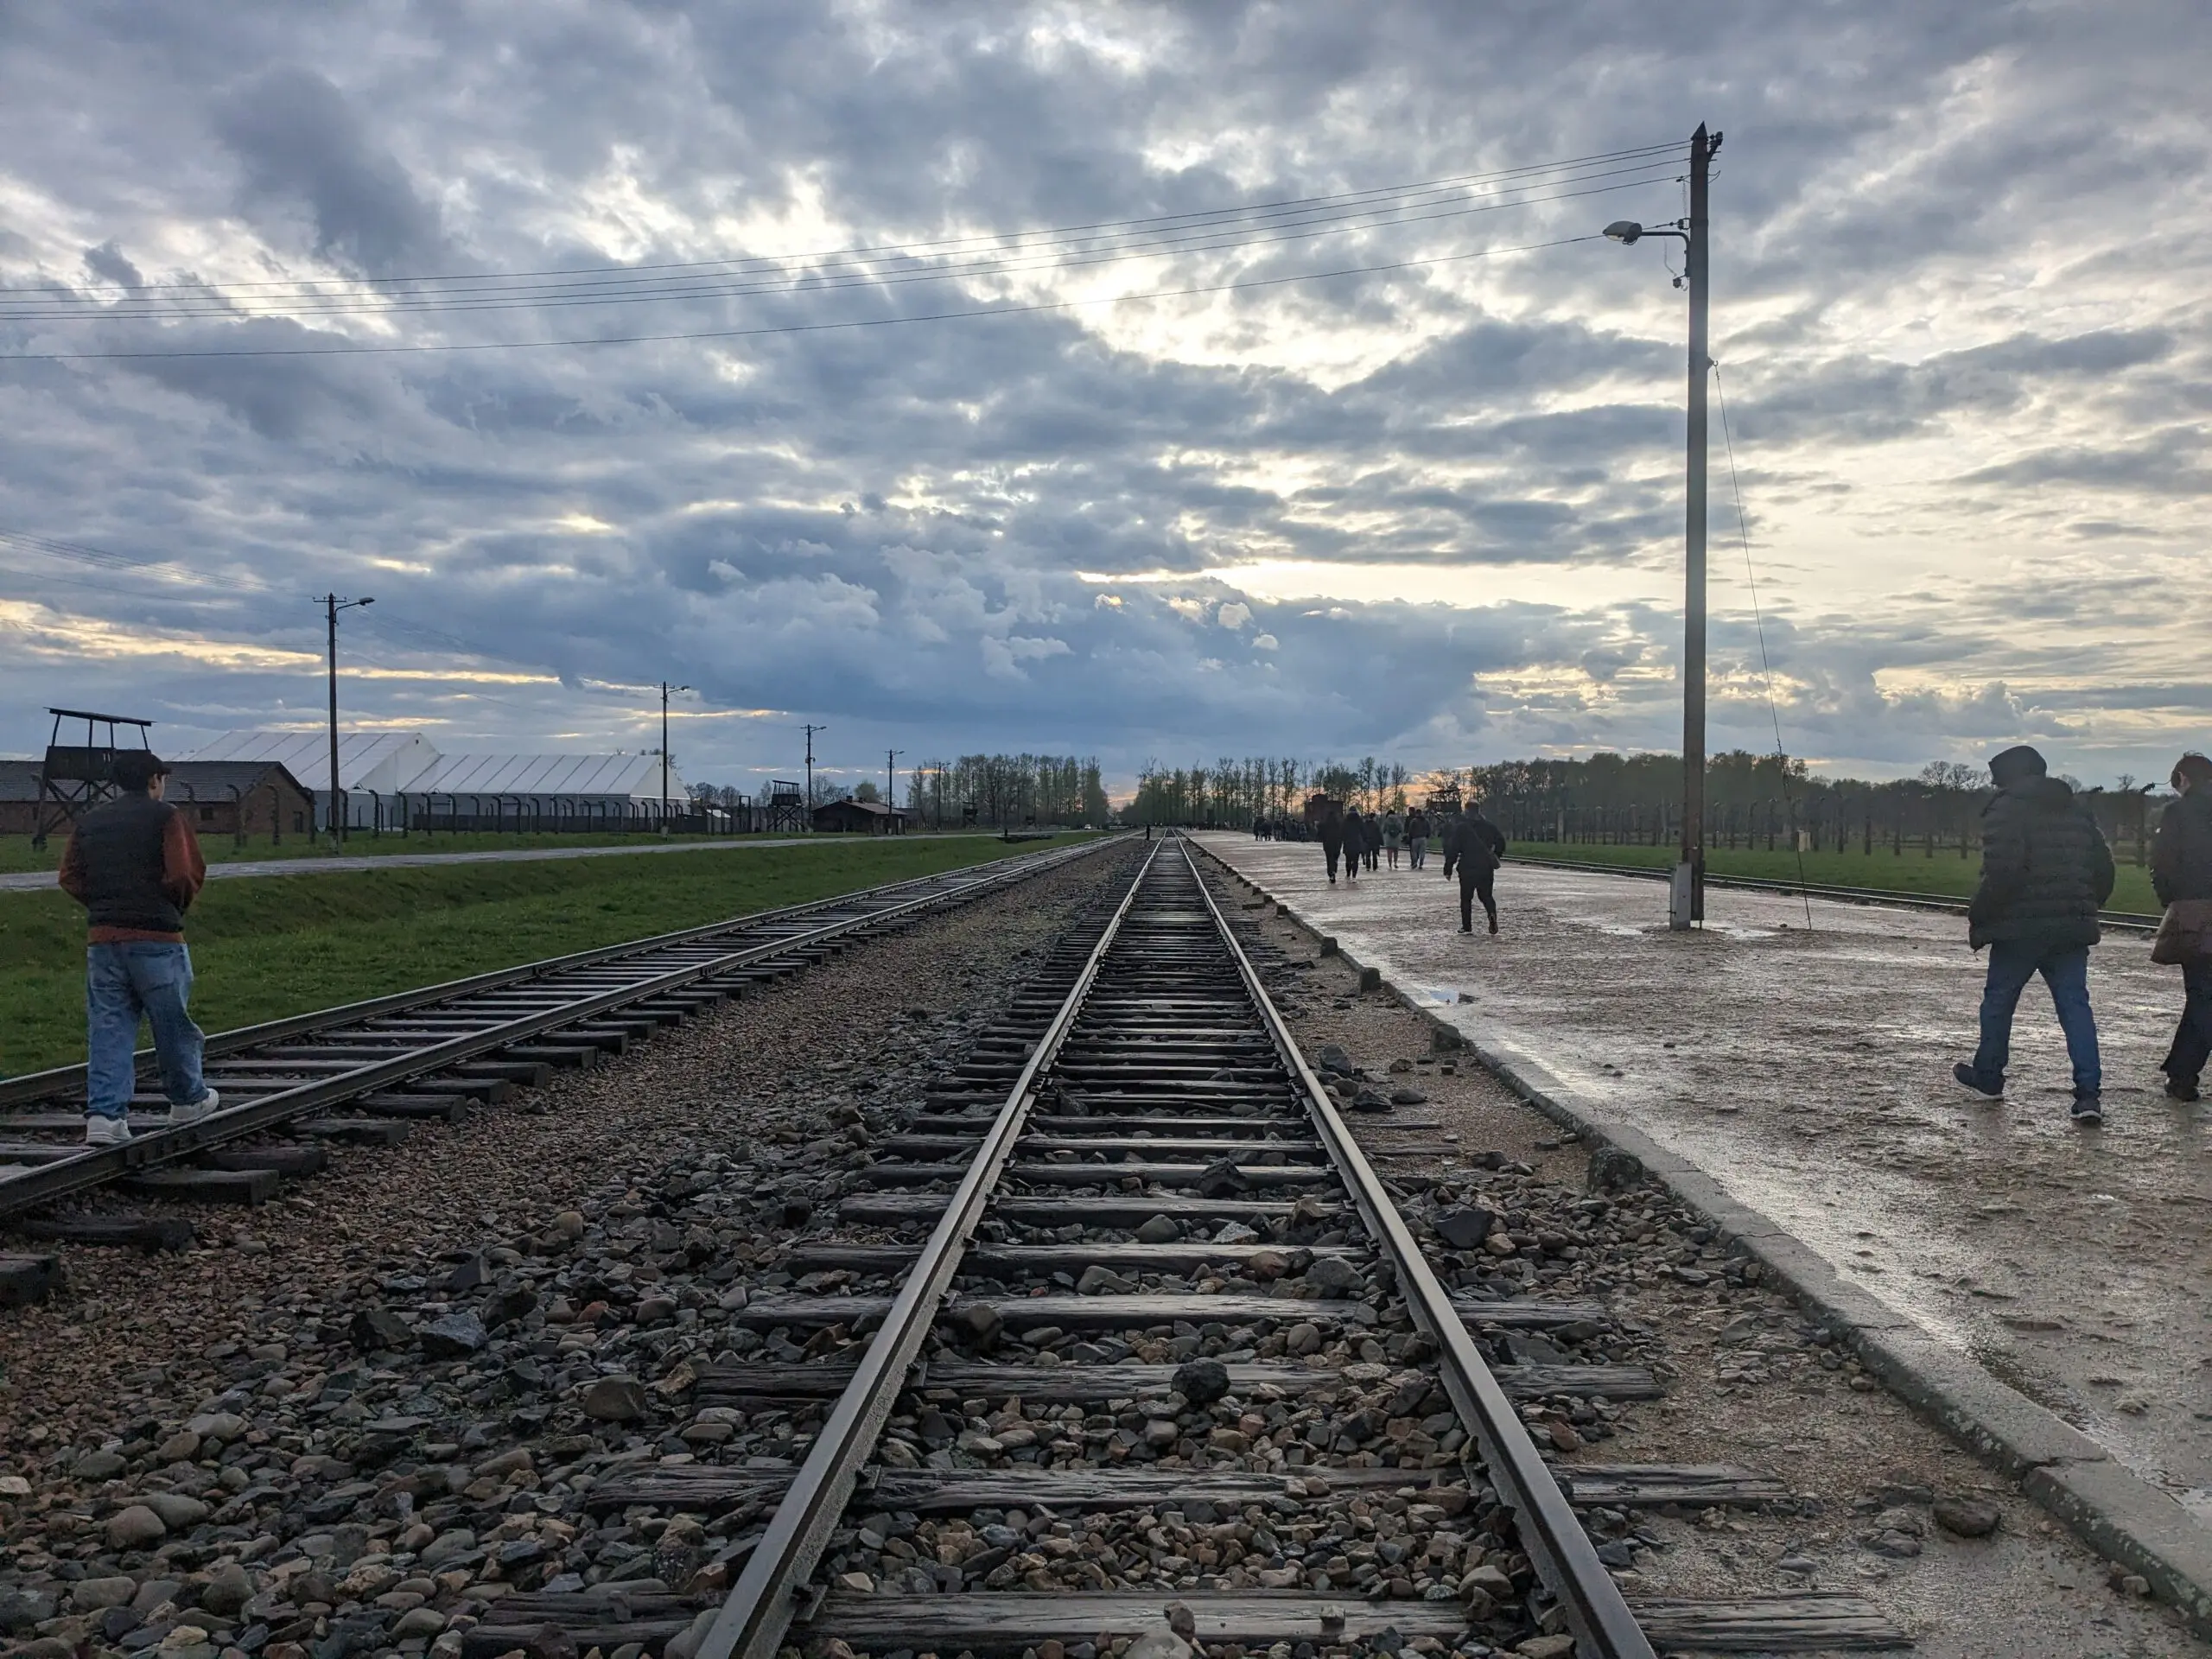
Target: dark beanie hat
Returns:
[[2017, 765], [136, 768]]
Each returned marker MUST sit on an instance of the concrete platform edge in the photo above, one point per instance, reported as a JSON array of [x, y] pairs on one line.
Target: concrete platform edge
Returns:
[[2108, 1507]]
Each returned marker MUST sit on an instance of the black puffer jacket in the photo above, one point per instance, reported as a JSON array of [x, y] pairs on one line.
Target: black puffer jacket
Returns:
[[2045, 870], [1476, 844], [2180, 858]]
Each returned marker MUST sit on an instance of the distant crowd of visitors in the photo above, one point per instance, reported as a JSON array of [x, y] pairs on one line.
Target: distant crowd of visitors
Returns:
[[1473, 846]]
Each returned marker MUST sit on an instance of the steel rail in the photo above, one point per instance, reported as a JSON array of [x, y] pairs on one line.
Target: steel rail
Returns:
[[760, 1608], [1557, 1547], [43, 1184], [2133, 921], [37, 1085]]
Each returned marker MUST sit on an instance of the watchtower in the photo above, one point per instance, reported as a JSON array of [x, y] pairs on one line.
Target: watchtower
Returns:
[[76, 776], [1443, 801], [786, 806]]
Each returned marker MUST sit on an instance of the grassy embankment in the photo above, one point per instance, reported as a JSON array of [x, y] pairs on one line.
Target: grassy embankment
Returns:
[[17, 855], [286, 944], [1945, 875]]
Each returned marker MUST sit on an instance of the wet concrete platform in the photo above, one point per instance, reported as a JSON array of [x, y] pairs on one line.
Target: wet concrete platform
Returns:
[[1808, 1070]]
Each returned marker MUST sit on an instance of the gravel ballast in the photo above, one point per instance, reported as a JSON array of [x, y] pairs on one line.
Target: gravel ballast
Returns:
[[354, 1421]]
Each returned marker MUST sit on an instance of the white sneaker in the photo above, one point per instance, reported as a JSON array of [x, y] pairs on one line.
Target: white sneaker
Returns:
[[198, 1109], [105, 1131]]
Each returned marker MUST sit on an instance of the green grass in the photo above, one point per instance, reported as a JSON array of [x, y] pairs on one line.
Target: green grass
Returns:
[[290, 943], [1945, 875]]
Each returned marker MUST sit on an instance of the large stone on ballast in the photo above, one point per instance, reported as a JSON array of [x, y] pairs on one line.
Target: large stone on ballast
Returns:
[[614, 1400]]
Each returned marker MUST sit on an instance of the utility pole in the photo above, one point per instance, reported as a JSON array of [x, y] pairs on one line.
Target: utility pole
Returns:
[[1686, 898], [332, 605], [1686, 891], [664, 690], [810, 730], [891, 778]]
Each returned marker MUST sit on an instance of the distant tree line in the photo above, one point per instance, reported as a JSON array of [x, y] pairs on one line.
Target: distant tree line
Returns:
[[1232, 791], [1006, 790], [1751, 800]]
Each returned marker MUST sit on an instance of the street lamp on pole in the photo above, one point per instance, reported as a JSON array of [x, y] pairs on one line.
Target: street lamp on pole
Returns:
[[811, 728], [891, 778], [1685, 893], [665, 688], [332, 605]]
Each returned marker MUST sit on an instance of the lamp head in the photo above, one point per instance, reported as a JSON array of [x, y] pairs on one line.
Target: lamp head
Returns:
[[1625, 231]]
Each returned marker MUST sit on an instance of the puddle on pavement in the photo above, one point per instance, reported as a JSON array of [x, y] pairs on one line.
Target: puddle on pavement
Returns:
[[1433, 996]]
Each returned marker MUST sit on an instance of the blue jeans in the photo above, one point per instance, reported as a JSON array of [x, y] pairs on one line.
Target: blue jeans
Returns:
[[2012, 963], [147, 979]]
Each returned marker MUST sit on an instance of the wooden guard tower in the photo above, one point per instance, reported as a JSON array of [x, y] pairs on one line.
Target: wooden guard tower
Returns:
[[787, 807], [77, 776]]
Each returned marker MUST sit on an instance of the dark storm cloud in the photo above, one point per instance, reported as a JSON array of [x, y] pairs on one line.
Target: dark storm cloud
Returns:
[[301, 144], [1867, 401], [107, 263], [885, 526], [2172, 462]]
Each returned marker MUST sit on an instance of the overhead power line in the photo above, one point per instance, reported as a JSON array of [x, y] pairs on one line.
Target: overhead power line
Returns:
[[424, 348], [804, 281], [945, 247]]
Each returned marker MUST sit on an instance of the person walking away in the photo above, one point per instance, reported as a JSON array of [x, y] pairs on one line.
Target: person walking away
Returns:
[[1393, 836], [2045, 873], [1331, 830], [1370, 827], [134, 863], [1447, 837], [1354, 842], [1416, 839], [1476, 846], [2180, 875]]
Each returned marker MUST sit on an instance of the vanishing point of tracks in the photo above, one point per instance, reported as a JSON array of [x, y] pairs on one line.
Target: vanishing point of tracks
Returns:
[[361, 1073], [1130, 1273]]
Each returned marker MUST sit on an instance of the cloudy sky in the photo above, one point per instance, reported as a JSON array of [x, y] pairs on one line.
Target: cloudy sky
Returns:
[[1310, 422]]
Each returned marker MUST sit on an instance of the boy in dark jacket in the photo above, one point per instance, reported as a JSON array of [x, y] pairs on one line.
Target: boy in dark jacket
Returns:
[[134, 863], [1475, 845], [2180, 869], [2045, 873]]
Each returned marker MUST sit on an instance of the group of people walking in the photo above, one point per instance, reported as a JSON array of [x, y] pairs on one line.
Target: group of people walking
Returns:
[[1473, 846], [2045, 873]]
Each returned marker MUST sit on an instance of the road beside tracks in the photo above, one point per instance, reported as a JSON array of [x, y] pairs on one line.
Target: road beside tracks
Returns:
[[328, 863]]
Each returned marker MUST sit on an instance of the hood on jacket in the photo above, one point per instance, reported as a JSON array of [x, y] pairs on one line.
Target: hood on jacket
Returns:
[[2049, 794], [2017, 765]]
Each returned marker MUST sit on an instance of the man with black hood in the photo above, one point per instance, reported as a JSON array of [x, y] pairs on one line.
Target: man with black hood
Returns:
[[1331, 831], [2045, 873], [1476, 846]]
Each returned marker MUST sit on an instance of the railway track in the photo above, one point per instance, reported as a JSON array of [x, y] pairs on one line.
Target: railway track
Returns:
[[1123, 1335], [366, 1071]]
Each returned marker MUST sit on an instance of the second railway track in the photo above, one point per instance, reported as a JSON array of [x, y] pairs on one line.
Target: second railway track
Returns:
[[364, 1070], [1123, 1336]]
